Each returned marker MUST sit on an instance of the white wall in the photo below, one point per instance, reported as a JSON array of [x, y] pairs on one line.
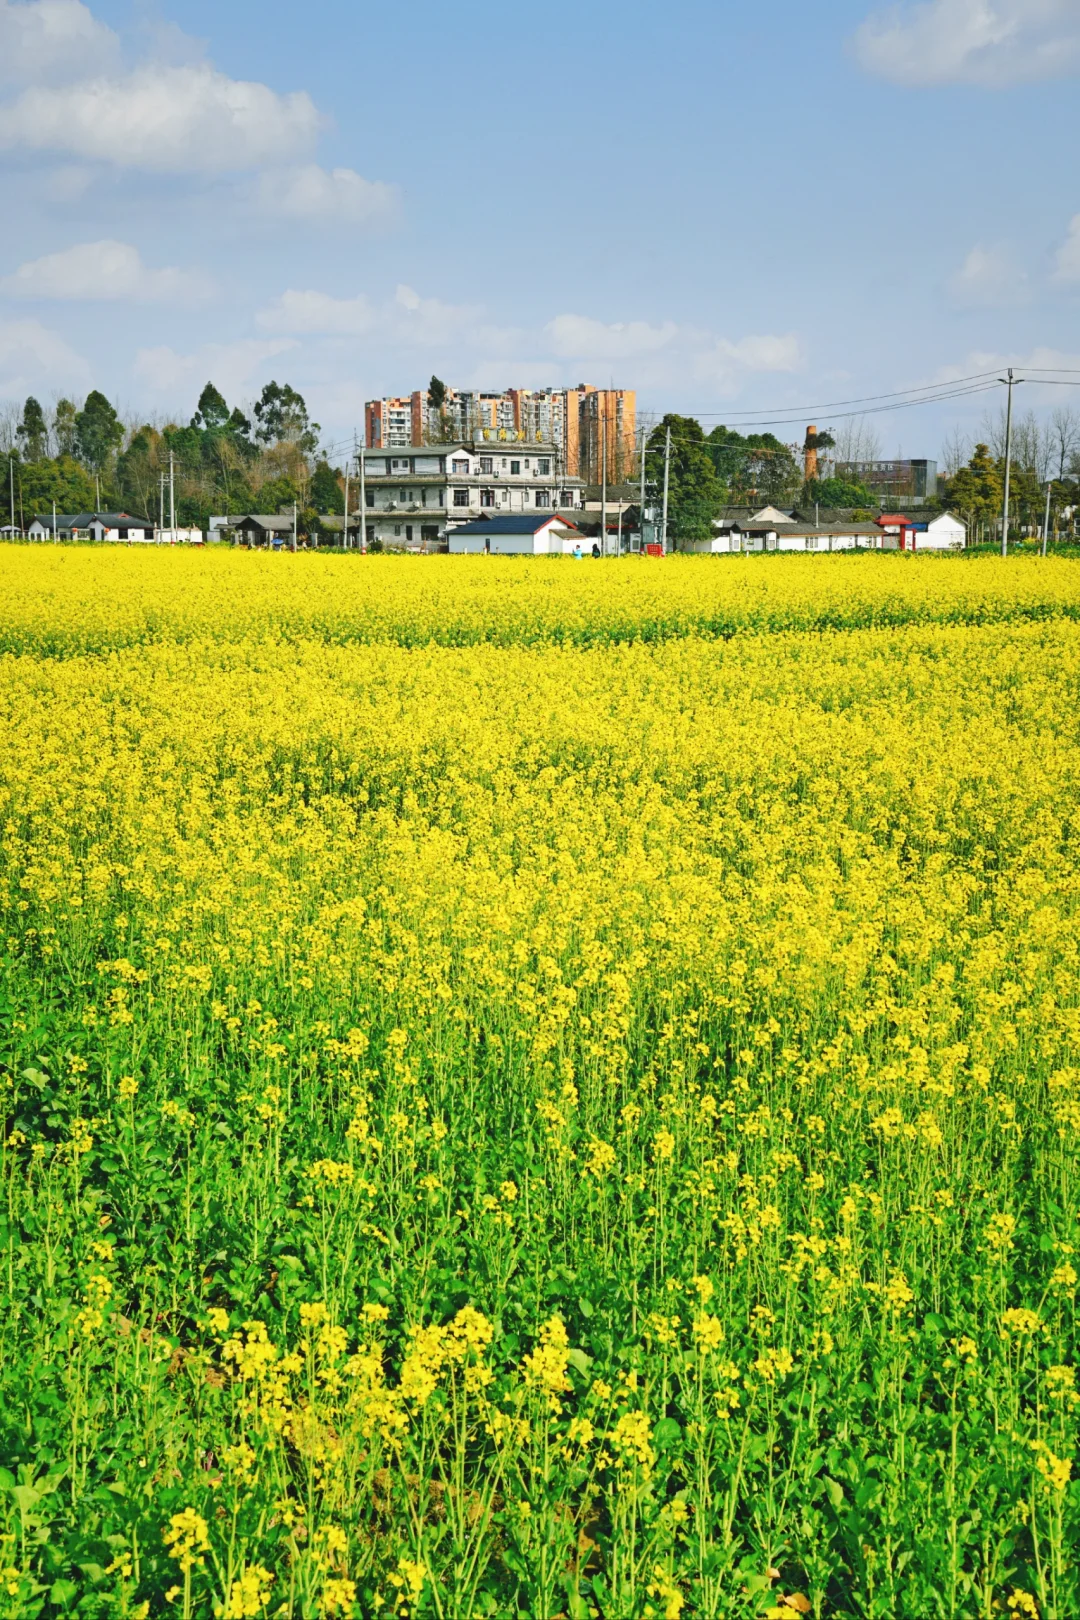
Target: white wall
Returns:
[[512, 545], [945, 533]]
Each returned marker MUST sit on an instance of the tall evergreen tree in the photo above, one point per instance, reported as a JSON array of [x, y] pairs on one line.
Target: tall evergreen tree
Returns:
[[695, 493], [976, 491], [211, 413], [282, 417], [33, 431], [65, 434], [98, 431]]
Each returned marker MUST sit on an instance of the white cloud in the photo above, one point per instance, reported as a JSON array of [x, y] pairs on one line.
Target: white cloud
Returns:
[[669, 353], [103, 270], [52, 40], [765, 352], [986, 42], [988, 279], [429, 320], [1067, 258], [310, 311], [234, 367], [68, 182], [663, 354], [168, 119], [578, 337], [406, 318], [306, 191], [32, 356]]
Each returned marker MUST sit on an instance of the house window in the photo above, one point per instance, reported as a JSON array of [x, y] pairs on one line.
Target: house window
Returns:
[[515, 466], [542, 498], [408, 531], [461, 497], [811, 542], [397, 529], [369, 496], [487, 464], [487, 497], [423, 497], [459, 465], [399, 465], [505, 494], [568, 497], [543, 467]]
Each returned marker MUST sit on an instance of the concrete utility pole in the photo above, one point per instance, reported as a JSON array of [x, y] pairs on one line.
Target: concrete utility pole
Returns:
[[641, 508], [363, 502], [1010, 382], [1046, 514], [294, 525], [161, 510], [172, 498], [603, 484], [54, 522], [667, 474], [11, 476], [345, 531]]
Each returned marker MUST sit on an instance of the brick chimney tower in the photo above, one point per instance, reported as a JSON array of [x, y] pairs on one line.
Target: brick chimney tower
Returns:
[[810, 454]]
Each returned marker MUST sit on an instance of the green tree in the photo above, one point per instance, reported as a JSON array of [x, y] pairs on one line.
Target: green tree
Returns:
[[695, 493], [837, 492], [754, 468], [33, 431], [277, 495], [211, 413], [326, 493], [138, 472], [62, 480], [238, 428], [65, 433], [976, 491], [436, 393], [98, 431], [1027, 494], [282, 418]]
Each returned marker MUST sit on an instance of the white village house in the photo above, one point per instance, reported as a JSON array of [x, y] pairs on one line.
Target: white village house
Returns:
[[773, 530], [91, 526], [529, 534], [418, 494]]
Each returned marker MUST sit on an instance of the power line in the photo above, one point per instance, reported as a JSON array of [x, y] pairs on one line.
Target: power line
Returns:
[[869, 399], [835, 416]]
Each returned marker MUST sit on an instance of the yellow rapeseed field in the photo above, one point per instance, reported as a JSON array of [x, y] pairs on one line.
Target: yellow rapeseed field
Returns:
[[539, 1089]]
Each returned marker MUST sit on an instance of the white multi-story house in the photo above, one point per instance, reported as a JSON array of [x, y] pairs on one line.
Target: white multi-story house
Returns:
[[416, 493]]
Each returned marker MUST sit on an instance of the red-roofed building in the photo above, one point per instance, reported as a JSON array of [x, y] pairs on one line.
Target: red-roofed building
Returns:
[[897, 531]]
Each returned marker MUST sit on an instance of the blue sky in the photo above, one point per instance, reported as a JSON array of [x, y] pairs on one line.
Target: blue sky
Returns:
[[731, 208]]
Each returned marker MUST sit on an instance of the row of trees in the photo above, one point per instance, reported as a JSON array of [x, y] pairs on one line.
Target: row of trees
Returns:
[[711, 470], [724, 467], [1045, 453], [85, 458]]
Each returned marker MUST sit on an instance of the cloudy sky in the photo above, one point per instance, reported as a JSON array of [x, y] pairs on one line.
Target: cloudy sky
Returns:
[[731, 207]]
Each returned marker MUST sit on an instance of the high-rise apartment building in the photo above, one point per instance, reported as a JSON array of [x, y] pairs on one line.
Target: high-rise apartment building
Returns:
[[392, 422], [607, 415], [572, 419]]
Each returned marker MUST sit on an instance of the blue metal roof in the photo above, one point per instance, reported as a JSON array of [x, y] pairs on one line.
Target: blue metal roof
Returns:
[[517, 523]]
